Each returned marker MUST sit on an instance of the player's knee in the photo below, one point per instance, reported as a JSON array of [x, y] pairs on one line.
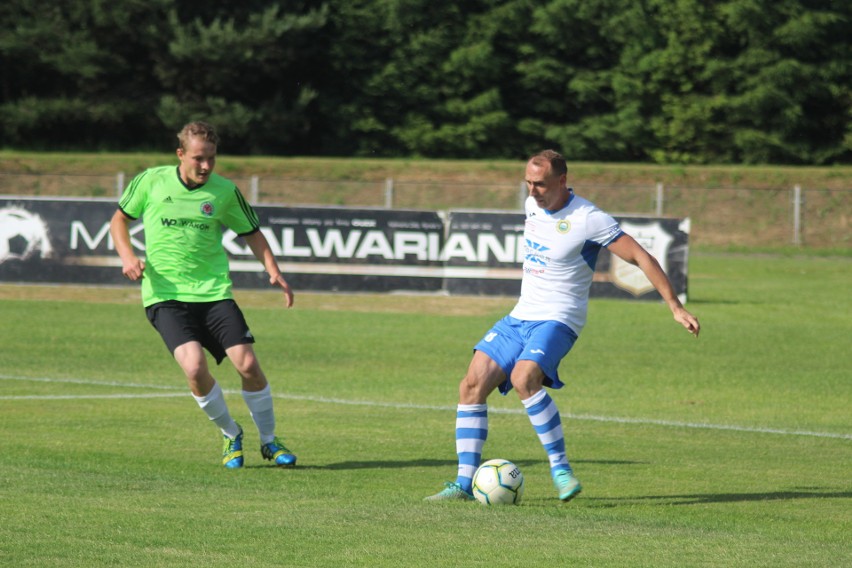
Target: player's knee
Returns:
[[194, 367], [525, 385], [244, 360], [247, 365], [473, 389]]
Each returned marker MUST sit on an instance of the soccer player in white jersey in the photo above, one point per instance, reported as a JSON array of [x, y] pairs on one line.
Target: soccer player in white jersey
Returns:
[[563, 235]]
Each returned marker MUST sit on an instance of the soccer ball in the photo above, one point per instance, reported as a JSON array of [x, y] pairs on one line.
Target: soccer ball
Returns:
[[498, 482]]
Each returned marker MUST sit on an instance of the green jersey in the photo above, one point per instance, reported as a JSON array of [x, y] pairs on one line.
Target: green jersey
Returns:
[[184, 256]]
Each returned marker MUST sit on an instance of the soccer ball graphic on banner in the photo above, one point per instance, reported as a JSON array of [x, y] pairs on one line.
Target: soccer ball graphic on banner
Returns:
[[22, 235], [498, 482]]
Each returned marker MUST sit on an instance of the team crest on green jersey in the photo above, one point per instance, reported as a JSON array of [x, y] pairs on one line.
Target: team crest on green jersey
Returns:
[[207, 209], [563, 226]]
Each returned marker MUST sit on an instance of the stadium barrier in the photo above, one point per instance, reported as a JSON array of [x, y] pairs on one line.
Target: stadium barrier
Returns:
[[341, 249]]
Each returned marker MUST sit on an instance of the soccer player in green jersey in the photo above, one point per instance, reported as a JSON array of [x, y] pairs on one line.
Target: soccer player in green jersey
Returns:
[[186, 286]]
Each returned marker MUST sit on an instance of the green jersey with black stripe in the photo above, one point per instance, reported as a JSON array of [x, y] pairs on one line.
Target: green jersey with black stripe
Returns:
[[184, 256]]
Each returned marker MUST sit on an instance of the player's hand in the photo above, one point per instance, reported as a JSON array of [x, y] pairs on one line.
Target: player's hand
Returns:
[[280, 282], [133, 269], [687, 320]]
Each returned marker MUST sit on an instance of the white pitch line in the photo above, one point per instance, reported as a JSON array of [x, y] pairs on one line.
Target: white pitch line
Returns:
[[88, 382], [395, 405], [93, 396]]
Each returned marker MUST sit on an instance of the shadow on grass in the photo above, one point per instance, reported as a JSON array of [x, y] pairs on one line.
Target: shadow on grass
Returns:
[[378, 464], [722, 302], [700, 499], [402, 464]]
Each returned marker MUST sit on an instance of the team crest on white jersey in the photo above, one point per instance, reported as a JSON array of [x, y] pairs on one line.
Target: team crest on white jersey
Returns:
[[563, 226]]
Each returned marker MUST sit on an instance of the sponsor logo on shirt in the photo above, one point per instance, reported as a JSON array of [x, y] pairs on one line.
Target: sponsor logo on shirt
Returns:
[[535, 253], [184, 223]]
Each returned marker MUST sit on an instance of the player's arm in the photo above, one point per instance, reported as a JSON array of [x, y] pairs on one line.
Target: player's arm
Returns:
[[119, 227], [260, 247], [626, 248]]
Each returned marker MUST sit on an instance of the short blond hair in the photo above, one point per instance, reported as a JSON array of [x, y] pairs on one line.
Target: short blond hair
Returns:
[[197, 129]]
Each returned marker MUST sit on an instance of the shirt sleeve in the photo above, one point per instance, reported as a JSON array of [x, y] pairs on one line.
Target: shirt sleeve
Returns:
[[135, 196], [241, 217], [603, 229]]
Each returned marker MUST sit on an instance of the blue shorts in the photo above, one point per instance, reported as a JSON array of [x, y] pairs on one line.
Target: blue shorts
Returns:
[[512, 340]]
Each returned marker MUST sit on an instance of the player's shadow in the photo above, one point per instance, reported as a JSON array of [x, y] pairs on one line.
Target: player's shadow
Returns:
[[611, 462], [398, 464], [402, 464], [381, 464], [706, 498], [723, 301]]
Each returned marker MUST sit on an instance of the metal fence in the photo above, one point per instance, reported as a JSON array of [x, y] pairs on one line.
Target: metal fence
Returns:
[[810, 218]]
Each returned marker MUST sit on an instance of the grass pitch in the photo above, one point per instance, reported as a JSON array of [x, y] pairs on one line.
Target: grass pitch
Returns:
[[730, 450]]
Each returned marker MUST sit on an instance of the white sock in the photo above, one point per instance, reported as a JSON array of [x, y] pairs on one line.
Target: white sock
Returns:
[[260, 406], [216, 409]]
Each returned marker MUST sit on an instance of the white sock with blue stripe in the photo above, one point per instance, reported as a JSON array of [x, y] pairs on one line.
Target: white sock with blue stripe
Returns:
[[471, 432], [545, 418]]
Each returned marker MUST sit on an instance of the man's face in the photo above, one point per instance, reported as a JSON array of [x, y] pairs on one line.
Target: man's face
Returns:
[[547, 190], [197, 161]]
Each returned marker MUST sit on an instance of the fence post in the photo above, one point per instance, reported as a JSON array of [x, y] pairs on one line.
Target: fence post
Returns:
[[254, 192], [119, 183], [388, 193], [797, 214], [659, 200]]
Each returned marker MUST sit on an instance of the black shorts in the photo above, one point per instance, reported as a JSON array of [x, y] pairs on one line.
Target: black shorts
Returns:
[[216, 325]]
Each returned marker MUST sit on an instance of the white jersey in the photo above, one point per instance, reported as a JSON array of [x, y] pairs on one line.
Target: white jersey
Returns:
[[560, 252]]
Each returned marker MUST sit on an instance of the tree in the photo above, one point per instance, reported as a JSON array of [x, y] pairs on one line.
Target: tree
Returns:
[[251, 74], [77, 75], [790, 86]]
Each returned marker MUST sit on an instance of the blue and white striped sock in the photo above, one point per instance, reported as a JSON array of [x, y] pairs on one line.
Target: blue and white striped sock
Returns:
[[471, 432], [545, 418]]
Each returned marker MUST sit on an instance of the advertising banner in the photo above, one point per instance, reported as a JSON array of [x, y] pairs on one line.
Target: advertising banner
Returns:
[[58, 241], [329, 249], [338, 249]]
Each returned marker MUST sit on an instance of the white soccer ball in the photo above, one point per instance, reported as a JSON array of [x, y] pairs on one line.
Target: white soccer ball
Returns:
[[498, 482]]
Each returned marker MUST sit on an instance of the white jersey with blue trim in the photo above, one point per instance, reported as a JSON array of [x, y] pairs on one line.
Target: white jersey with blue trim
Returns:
[[560, 252]]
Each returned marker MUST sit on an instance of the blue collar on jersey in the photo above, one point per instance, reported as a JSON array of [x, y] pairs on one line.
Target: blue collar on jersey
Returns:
[[570, 197]]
